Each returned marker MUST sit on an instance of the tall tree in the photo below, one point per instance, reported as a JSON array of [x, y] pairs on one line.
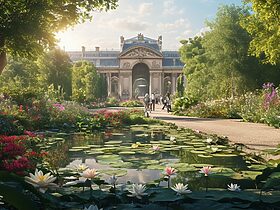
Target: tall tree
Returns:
[[84, 81], [263, 26], [55, 70], [28, 27], [227, 46], [198, 76]]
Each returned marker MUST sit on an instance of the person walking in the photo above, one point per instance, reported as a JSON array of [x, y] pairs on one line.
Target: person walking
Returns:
[[147, 102], [153, 100]]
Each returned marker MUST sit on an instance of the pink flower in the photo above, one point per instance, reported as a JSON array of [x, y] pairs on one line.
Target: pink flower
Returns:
[[206, 170], [156, 148], [170, 171], [60, 107]]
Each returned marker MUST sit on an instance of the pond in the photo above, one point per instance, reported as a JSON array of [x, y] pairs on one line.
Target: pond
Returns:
[[140, 153]]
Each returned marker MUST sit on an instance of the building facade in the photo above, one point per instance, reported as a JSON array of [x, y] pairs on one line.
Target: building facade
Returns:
[[140, 67]]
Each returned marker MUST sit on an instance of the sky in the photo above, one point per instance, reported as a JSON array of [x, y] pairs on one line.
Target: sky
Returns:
[[175, 20]]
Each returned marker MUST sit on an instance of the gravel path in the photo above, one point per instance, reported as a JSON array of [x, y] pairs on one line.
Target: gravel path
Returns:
[[254, 135]]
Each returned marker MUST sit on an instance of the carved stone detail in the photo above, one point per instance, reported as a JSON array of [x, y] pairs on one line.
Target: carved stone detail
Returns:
[[155, 64], [126, 65], [141, 53]]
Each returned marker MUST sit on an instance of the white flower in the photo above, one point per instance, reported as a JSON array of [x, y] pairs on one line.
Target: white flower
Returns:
[[234, 187], [137, 191], [180, 188], [41, 181], [209, 140], [172, 138], [1, 199], [112, 180], [91, 207], [89, 173], [78, 167]]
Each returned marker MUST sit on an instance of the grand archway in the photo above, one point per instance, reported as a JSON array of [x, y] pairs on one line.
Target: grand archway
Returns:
[[140, 80]]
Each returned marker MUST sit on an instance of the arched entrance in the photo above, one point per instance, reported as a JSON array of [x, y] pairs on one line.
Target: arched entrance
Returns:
[[140, 80]]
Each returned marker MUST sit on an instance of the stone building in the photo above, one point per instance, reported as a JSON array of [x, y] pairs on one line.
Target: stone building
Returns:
[[140, 67]]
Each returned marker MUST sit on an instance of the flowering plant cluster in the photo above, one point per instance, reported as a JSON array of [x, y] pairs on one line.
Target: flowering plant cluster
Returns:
[[17, 155]]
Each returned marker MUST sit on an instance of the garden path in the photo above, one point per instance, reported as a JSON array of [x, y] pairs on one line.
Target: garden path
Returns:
[[254, 135]]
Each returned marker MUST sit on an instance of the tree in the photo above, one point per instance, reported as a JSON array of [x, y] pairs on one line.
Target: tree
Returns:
[[234, 72], [28, 27], [198, 76], [55, 70], [263, 26], [84, 81]]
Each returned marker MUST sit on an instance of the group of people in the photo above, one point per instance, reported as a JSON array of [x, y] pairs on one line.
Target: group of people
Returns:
[[150, 102]]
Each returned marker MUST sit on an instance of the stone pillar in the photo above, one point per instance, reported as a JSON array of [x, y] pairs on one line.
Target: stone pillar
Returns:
[[130, 85], [120, 86], [150, 86], [109, 84], [160, 83], [173, 83]]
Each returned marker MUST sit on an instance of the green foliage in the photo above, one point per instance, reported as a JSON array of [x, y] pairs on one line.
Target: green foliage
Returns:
[[87, 85], [132, 103], [218, 65], [29, 27], [55, 70], [263, 26], [112, 101], [180, 86], [184, 103]]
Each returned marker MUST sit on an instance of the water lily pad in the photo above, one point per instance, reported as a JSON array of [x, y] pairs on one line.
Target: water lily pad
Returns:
[[75, 150], [127, 153]]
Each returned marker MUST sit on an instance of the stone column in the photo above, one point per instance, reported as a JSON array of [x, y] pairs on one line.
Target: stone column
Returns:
[[150, 86], [120, 86], [108, 75], [173, 83], [130, 85], [160, 83]]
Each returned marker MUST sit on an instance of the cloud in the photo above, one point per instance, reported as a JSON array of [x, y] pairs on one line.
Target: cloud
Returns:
[[129, 24], [170, 8], [145, 8], [178, 24], [203, 31]]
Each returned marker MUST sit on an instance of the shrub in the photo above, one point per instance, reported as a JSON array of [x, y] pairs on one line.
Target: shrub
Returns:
[[132, 103]]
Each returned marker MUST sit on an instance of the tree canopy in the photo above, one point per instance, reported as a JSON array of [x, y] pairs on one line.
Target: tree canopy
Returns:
[[28, 27], [263, 26], [218, 65]]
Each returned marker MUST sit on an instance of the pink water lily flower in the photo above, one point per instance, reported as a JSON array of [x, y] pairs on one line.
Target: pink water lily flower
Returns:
[[89, 173], [206, 170], [156, 148], [170, 171]]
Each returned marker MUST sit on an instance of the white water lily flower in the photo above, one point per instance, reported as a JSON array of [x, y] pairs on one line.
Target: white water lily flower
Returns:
[[89, 173], [137, 191], [112, 180], [234, 187], [78, 167], [180, 188], [172, 138], [91, 207], [209, 140], [1, 199], [41, 181]]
